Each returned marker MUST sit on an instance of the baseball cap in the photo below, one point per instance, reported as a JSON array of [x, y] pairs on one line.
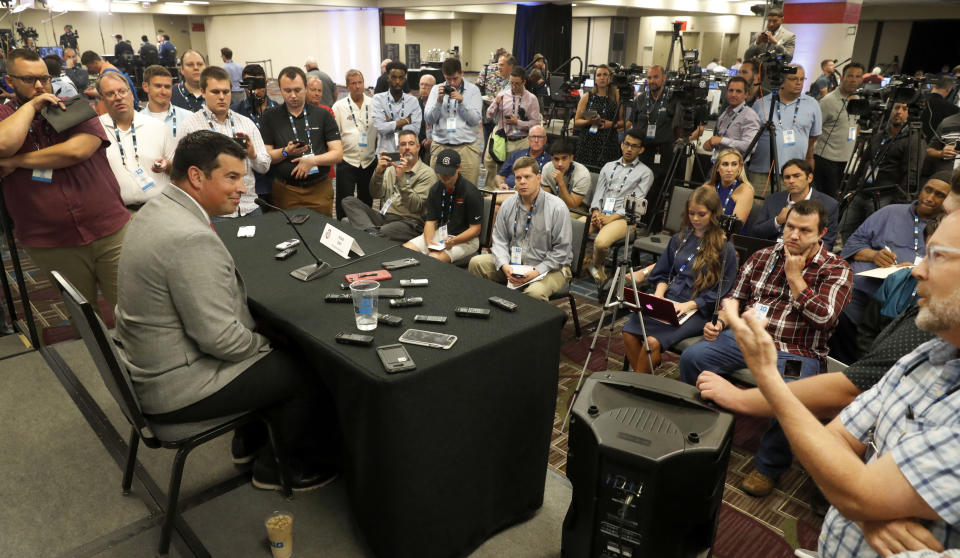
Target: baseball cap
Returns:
[[447, 162]]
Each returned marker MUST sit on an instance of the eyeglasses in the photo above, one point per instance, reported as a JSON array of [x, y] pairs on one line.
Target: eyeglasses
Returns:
[[537, 137], [32, 79], [114, 94], [937, 254]]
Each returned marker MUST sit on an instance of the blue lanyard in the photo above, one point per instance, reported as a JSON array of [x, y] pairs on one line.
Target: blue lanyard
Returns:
[[306, 126], [173, 114], [727, 199], [516, 218], [189, 98], [796, 109], [450, 101], [736, 113], [625, 176], [366, 120], [233, 128], [133, 135], [690, 257], [390, 107], [658, 103], [916, 236]]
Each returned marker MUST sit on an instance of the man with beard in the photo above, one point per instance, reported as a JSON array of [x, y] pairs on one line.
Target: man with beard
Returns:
[[58, 186]]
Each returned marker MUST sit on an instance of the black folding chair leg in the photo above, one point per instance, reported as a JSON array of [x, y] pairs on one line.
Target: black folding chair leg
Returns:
[[576, 317], [131, 460], [280, 461], [176, 476]]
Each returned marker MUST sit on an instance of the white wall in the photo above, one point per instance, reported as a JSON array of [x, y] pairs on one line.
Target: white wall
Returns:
[[487, 34], [429, 34], [893, 42], [334, 37], [131, 26], [599, 41]]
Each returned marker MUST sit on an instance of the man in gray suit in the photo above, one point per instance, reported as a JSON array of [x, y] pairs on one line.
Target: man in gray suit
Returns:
[[186, 330], [775, 39]]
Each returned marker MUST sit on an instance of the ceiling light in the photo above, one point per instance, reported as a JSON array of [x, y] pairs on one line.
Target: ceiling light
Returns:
[[197, 2]]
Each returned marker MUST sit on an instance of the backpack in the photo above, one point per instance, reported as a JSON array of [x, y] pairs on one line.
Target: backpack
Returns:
[[149, 54]]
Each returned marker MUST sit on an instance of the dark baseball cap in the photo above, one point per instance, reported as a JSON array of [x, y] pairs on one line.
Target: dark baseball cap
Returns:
[[447, 162]]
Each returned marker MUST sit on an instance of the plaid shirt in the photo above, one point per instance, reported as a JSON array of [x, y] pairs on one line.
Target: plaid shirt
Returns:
[[800, 325], [925, 448]]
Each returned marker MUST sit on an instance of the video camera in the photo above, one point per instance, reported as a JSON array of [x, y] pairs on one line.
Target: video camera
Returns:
[[775, 68], [26, 33], [623, 79], [689, 92], [253, 82], [874, 99]]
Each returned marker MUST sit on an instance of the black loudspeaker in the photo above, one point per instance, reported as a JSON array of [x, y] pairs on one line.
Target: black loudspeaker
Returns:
[[647, 460]]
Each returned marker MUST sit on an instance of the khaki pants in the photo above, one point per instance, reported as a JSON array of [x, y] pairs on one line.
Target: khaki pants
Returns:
[[610, 233], [493, 167], [317, 196], [85, 266], [469, 159], [483, 266]]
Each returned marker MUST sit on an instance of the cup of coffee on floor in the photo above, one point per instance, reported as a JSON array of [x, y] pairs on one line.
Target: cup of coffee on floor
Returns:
[[280, 532]]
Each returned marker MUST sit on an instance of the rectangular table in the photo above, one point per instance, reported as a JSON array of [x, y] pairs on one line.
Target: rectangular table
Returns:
[[438, 459]]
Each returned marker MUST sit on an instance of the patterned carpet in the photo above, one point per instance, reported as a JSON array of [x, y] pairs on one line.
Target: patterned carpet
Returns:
[[749, 527], [770, 527]]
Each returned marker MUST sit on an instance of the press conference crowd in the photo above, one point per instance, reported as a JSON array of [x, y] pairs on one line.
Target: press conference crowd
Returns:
[[123, 204]]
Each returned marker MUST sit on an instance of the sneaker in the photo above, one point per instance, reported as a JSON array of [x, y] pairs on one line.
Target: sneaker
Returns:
[[248, 440], [757, 484], [599, 274], [267, 477]]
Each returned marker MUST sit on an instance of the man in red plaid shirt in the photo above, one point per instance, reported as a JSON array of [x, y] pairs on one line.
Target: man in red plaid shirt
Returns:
[[800, 287]]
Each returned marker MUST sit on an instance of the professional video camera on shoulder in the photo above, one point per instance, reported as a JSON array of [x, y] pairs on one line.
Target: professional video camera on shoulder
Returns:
[[774, 68], [624, 78]]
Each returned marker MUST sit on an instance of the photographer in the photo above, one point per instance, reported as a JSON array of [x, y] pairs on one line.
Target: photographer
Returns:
[[453, 113], [775, 40], [887, 168], [516, 111], [798, 124], [653, 113], [254, 104], [835, 145], [215, 85], [69, 38]]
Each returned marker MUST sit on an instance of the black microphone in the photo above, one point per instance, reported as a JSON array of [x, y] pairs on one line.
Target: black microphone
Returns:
[[308, 272]]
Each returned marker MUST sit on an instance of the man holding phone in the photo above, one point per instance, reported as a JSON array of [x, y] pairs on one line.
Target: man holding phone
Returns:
[[517, 112], [215, 115], [302, 141], [800, 288]]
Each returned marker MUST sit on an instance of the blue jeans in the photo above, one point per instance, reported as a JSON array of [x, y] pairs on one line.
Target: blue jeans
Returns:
[[723, 356]]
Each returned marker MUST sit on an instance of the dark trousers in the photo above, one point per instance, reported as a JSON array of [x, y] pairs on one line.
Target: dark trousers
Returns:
[[827, 175], [649, 155], [292, 398], [723, 356], [863, 206], [350, 179]]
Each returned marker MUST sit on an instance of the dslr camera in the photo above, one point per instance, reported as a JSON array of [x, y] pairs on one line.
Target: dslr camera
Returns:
[[448, 89], [253, 82]]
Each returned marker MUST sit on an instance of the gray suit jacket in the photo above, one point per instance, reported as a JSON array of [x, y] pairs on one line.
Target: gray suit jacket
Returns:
[[182, 313], [786, 43]]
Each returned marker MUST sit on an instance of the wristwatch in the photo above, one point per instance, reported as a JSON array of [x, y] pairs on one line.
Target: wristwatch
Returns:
[[284, 153]]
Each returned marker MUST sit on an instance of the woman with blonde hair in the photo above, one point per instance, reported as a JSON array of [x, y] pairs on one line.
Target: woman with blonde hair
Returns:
[[688, 271], [729, 179], [598, 143]]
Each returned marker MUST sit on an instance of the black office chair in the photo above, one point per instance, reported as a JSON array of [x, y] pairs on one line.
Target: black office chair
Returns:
[[578, 246], [182, 437]]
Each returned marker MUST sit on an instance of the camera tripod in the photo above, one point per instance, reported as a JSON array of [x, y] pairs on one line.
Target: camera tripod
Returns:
[[682, 151], [615, 301], [771, 130]]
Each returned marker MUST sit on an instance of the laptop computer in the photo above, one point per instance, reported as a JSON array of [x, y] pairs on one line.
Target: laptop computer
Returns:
[[660, 309]]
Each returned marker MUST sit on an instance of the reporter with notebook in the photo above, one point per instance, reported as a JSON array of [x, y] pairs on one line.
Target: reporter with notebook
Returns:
[[687, 274]]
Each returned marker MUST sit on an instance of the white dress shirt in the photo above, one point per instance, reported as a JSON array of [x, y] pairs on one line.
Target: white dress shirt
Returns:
[[153, 141], [353, 120], [203, 119]]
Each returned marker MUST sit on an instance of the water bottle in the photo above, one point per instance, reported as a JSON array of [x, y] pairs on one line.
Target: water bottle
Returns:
[[483, 177]]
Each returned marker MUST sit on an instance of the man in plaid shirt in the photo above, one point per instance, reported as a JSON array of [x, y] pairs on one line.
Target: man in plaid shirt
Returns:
[[888, 462], [800, 287]]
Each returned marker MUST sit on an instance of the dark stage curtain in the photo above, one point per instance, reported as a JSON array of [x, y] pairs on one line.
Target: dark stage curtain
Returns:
[[544, 29], [932, 45]]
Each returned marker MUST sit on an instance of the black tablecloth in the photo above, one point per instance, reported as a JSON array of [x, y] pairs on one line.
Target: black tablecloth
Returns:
[[440, 458]]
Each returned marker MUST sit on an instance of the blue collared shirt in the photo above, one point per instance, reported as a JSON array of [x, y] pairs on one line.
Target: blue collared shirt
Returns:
[[805, 125], [467, 115], [236, 74], [386, 111], [915, 421], [506, 170], [892, 226]]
